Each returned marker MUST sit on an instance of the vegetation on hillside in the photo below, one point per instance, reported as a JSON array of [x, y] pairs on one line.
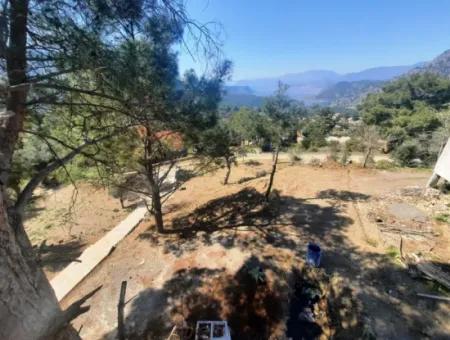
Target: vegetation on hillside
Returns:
[[409, 113]]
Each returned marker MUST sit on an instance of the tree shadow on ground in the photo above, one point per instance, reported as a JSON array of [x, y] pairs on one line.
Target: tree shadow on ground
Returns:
[[252, 308], [222, 220], [375, 297], [56, 257], [342, 195]]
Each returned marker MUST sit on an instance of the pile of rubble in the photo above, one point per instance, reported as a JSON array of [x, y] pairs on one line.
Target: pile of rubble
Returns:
[[407, 216]]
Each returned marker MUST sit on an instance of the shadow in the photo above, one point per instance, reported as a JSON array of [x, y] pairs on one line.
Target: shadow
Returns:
[[342, 195], [31, 210], [252, 308], [368, 295], [245, 179], [56, 257], [304, 299], [259, 174], [252, 162], [223, 219]]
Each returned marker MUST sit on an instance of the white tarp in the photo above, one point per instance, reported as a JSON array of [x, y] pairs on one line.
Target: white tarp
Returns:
[[442, 167]]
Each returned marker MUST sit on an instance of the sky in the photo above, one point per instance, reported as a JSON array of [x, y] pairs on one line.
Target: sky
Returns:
[[265, 38]]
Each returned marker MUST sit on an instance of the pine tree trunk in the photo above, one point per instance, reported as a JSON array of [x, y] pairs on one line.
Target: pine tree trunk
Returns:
[[272, 173], [156, 197], [227, 174], [157, 209], [28, 306]]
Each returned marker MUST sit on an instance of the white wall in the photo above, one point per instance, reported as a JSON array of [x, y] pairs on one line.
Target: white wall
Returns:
[[442, 167]]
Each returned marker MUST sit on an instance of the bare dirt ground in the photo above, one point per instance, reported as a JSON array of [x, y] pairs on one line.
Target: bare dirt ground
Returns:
[[218, 235], [69, 220]]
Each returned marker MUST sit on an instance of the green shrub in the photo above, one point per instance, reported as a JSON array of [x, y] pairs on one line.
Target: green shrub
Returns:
[[444, 218], [252, 162], [315, 162], [334, 148], [406, 153], [261, 173], [384, 164], [294, 154]]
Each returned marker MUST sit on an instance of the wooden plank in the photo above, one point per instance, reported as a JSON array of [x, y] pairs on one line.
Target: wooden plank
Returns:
[[75, 272]]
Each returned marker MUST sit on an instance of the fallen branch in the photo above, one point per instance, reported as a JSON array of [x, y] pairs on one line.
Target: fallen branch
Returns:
[[393, 230], [434, 273], [73, 311], [434, 297]]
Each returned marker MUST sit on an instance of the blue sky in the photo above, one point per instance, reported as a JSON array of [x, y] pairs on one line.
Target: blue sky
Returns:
[[274, 37]]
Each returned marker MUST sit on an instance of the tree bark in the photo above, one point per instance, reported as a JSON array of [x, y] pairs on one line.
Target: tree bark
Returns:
[[16, 65], [272, 173], [227, 174], [366, 158], [157, 206], [156, 196], [28, 306]]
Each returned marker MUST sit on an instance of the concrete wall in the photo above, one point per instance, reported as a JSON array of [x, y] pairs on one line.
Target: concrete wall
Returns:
[[442, 167]]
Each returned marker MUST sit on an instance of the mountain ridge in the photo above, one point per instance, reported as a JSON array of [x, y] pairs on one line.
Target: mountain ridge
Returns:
[[308, 84]]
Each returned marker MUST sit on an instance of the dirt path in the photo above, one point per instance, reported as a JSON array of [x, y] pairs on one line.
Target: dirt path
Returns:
[[216, 233]]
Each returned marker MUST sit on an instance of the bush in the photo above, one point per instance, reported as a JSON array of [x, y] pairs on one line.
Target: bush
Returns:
[[261, 173], [345, 157], [334, 150], [406, 153], [252, 162], [315, 162], [293, 153], [385, 164], [306, 143], [183, 175]]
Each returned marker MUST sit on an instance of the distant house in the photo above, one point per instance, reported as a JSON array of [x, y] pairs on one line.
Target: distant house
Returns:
[[172, 139]]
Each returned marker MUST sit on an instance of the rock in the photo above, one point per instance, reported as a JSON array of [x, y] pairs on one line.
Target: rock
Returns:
[[431, 193], [405, 211]]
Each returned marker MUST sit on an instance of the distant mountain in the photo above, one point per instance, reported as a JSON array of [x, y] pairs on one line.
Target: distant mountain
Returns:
[[383, 73], [302, 85], [235, 89], [249, 100], [307, 86], [439, 65], [237, 95], [349, 93]]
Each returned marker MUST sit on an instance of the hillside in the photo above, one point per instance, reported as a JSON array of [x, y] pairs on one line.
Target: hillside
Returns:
[[308, 86], [236, 99], [349, 93], [439, 65]]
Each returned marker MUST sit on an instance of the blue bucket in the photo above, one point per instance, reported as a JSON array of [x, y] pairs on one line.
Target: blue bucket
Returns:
[[313, 254]]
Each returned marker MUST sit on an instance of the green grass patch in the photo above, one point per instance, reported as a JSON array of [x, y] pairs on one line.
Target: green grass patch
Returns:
[[372, 242], [444, 218], [393, 254]]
